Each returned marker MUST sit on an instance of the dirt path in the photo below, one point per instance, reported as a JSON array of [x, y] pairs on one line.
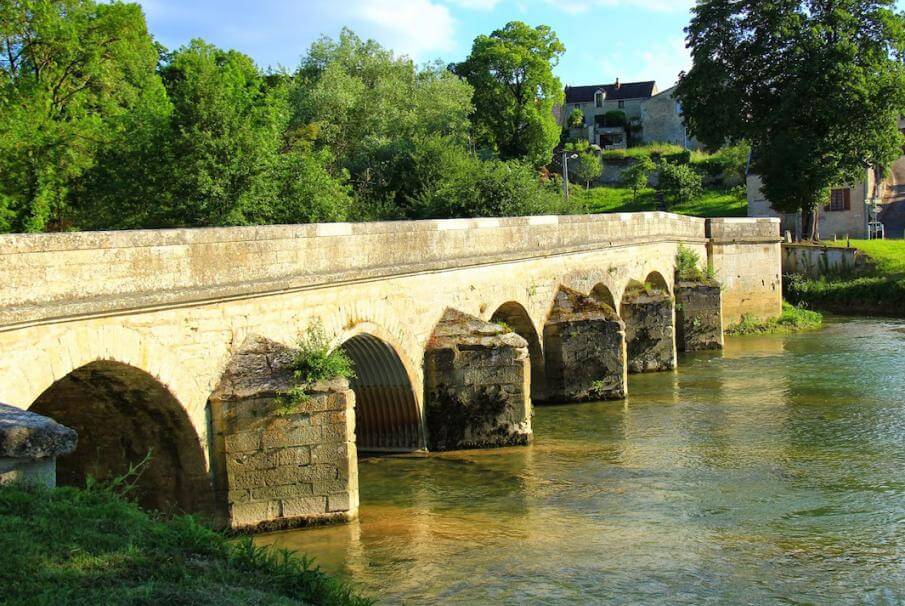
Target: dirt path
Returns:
[[893, 213]]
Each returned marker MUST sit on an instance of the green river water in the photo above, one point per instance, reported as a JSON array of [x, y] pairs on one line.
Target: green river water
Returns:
[[772, 473]]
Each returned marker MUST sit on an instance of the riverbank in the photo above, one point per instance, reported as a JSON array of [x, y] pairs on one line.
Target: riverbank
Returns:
[[882, 293], [793, 319], [71, 546]]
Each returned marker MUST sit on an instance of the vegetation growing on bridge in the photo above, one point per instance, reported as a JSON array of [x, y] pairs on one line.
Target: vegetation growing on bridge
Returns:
[[73, 546], [316, 360], [793, 319]]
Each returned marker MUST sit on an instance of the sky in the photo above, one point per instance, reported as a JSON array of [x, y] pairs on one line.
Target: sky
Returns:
[[604, 39]]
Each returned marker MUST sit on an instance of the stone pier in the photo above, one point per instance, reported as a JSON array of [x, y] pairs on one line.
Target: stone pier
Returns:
[[650, 334], [585, 351], [29, 446], [282, 464], [477, 385], [699, 316]]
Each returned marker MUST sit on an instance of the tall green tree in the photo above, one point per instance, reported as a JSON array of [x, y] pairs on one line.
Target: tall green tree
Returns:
[[815, 85], [74, 74], [511, 71]]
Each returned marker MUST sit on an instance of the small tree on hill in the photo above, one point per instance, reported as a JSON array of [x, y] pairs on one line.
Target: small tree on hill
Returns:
[[637, 175], [587, 166], [678, 183]]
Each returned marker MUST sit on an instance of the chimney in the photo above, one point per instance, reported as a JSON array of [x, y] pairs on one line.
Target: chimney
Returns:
[[618, 85]]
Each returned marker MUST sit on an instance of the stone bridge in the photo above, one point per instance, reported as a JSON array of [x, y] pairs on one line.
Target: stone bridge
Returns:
[[178, 343]]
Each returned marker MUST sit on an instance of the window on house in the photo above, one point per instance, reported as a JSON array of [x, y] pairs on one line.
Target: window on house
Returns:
[[598, 99], [840, 200], [622, 105]]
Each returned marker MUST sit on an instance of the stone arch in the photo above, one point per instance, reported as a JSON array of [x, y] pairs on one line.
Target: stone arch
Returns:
[[656, 280], [602, 294], [122, 414], [514, 315], [387, 411]]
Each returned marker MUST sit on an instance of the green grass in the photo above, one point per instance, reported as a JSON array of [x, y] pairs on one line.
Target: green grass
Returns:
[[793, 319], [882, 293], [715, 202], [71, 546], [887, 255]]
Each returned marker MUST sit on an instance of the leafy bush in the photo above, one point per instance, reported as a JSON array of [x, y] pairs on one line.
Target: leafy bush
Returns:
[[314, 361], [793, 319], [688, 266], [678, 183], [637, 176], [576, 118], [615, 118]]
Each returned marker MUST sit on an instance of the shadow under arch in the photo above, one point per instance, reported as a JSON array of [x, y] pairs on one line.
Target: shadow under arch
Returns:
[[387, 415], [516, 317], [121, 414], [602, 294]]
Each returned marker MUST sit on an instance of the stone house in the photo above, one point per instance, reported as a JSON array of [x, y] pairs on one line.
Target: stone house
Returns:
[[596, 100], [662, 121], [845, 214]]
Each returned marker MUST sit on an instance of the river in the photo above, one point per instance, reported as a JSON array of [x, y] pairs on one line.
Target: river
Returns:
[[773, 472]]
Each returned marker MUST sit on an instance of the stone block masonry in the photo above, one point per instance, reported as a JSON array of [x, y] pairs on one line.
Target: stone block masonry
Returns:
[[283, 465], [476, 381], [29, 446], [649, 330], [699, 316], [584, 345]]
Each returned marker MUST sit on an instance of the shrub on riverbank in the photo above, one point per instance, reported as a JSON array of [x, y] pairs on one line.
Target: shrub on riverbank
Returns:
[[882, 293], [71, 546], [793, 319]]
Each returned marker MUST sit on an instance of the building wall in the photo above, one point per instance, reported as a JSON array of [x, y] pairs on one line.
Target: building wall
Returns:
[[838, 224], [662, 121]]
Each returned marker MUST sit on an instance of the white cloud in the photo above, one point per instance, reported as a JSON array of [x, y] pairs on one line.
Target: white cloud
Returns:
[[417, 28]]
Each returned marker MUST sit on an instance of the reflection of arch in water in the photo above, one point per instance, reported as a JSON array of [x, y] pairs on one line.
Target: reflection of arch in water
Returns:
[[602, 294], [516, 317], [387, 414], [122, 413]]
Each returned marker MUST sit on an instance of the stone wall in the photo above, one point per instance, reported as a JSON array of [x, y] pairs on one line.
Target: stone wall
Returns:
[[280, 464], [477, 385], [30, 445], [746, 257], [584, 345], [819, 261], [649, 330], [699, 316]]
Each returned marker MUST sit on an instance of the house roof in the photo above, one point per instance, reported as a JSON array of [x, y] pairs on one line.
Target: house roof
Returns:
[[626, 90]]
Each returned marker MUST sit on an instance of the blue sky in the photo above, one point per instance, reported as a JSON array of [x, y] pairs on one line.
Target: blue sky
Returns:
[[604, 39]]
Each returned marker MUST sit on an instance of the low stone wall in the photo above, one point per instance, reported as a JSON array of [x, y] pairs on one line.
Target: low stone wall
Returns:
[[649, 331], [29, 446], [824, 261], [477, 385], [282, 465], [699, 316], [584, 346]]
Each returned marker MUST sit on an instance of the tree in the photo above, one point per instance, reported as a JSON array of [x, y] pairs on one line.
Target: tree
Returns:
[[76, 77], [576, 118], [815, 86], [678, 183], [515, 91], [637, 176], [587, 166]]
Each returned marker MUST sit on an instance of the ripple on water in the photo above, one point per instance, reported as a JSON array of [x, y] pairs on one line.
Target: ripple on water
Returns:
[[773, 472]]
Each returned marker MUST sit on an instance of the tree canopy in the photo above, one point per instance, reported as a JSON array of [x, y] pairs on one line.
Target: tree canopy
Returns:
[[511, 71], [816, 87]]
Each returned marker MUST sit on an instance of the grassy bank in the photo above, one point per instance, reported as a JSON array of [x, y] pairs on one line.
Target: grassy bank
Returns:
[[69, 546], [793, 319], [882, 293], [715, 202]]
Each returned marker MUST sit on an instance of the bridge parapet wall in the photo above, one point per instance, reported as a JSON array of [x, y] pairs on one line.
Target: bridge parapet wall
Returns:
[[50, 276]]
